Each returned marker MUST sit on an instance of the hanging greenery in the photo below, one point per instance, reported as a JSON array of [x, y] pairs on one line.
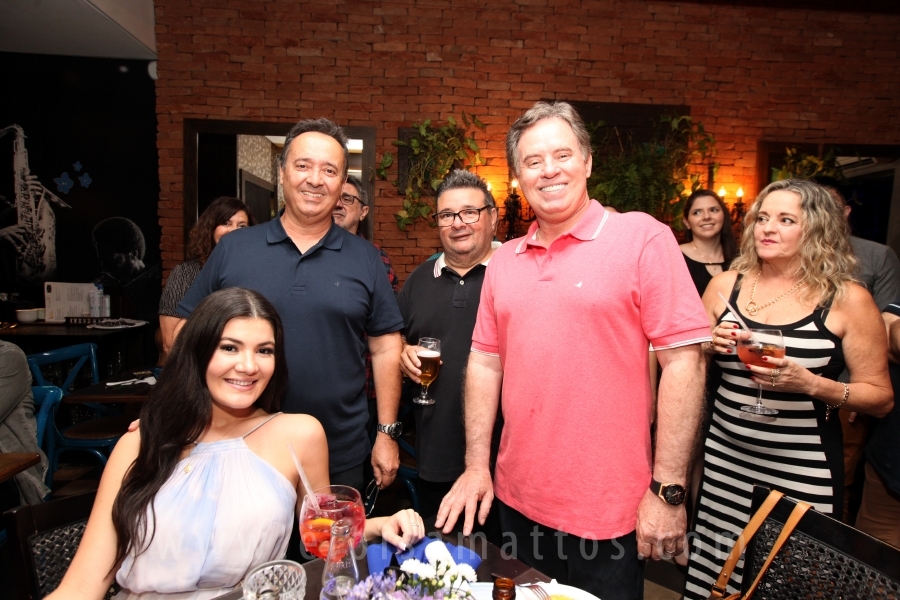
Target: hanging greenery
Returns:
[[433, 151], [653, 177], [798, 165]]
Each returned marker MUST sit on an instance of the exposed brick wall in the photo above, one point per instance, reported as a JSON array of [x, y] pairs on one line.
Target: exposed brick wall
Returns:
[[748, 74]]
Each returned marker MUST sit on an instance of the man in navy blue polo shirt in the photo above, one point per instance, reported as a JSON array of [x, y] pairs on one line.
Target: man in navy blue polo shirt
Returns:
[[330, 290]]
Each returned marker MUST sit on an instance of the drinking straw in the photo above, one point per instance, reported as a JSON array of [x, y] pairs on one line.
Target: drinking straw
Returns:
[[306, 485], [736, 314]]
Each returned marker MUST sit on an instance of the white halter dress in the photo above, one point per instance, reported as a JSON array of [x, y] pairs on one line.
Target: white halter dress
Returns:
[[222, 512]]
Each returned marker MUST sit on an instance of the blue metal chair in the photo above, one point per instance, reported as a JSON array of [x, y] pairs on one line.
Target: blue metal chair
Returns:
[[80, 353], [46, 400], [408, 472], [95, 436]]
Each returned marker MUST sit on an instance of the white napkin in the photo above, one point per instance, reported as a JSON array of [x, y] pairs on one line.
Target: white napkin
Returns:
[[150, 379], [437, 551]]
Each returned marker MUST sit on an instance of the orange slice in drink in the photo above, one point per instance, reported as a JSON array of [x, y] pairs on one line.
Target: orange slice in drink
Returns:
[[319, 524]]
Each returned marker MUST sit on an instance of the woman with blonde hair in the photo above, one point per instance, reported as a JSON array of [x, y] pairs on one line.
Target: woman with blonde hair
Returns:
[[794, 274]]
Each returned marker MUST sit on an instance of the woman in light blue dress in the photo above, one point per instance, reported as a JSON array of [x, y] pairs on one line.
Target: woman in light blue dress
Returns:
[[207, 490]]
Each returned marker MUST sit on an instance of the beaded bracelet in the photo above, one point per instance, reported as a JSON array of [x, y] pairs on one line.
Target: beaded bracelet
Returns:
[[829, 408]]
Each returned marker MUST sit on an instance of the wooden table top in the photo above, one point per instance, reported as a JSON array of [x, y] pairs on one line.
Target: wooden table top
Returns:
[[43, 328], [101, 393], [12, 463]]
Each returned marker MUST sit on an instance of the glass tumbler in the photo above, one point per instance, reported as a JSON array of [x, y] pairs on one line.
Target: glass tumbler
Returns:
[[279, 579]]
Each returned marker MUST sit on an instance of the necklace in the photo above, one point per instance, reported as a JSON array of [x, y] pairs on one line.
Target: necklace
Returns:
[[703, 256], [188, 467], [753, 308]]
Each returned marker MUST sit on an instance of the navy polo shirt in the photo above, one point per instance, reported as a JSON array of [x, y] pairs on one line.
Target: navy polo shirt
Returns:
[[329, 299]]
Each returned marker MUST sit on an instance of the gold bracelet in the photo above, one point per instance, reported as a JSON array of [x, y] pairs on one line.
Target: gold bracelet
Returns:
[[829, 408]]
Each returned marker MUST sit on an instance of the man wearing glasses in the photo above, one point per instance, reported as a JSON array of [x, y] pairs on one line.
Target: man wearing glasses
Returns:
[[440, 299], [351, 211]]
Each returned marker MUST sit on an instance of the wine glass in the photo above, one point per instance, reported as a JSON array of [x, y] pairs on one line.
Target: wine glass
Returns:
[[429, 354], [751, 350], [335, 502]]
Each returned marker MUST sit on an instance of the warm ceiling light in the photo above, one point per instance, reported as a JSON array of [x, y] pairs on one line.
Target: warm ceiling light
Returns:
[[740, 192], [722, 192]]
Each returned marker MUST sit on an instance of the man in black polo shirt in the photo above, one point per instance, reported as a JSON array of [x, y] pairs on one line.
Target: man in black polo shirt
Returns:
[[440, 299], [330, 290]]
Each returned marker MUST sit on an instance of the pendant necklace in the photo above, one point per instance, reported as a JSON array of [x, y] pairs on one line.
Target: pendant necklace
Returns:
[[188, 467], [703, 256], [753, 308]]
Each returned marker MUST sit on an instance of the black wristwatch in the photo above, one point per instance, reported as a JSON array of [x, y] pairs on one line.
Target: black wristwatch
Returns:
[[394, 429], [671, 493]]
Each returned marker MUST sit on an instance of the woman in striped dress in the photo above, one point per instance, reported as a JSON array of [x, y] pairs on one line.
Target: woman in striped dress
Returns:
[[794, 274]]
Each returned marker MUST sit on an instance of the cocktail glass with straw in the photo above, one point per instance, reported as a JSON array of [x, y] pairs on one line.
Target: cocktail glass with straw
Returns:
[[759, 343]]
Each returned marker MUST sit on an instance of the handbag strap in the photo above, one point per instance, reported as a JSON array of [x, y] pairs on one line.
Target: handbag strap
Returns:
[[786, 531], [719, 588]]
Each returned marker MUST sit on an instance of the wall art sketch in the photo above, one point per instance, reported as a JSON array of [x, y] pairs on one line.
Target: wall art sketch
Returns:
[[33, 237]]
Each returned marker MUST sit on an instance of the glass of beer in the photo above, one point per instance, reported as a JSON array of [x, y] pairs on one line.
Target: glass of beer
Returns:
[[429, 354], [760, 343]]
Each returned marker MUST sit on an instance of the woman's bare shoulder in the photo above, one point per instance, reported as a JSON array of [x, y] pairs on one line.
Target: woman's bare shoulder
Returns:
[[722, 283], [292, 426], [857, 302], [129, 445]]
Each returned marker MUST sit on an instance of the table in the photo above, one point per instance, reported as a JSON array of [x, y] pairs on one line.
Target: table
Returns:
[[492, 562], [101, 393], [41, 336], [12, 463]]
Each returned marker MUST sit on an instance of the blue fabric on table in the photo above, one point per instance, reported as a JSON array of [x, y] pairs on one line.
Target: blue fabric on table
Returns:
[[379, 555]]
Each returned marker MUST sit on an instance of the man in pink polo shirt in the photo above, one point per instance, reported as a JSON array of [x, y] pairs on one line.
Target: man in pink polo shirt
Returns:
[[566, 316]]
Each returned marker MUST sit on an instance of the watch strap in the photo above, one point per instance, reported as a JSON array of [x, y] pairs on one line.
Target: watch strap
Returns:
[[391, 429], [657, 488]]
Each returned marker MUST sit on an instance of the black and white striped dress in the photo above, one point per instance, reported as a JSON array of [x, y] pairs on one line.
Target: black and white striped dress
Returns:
[[798, 452]]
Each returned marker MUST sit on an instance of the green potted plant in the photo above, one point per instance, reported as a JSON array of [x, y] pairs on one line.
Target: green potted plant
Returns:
[[431, 151], [799, 165], [653, 177]]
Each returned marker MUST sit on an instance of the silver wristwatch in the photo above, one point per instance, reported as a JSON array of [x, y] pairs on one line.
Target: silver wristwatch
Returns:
[[394, 429]]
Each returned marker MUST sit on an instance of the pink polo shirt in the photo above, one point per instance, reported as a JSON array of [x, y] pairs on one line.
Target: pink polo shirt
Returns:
[[572, 326]]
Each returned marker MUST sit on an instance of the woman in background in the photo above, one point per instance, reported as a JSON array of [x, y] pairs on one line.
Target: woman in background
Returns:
[[206, 489], [224, 215], [710, 245], [709, 250]]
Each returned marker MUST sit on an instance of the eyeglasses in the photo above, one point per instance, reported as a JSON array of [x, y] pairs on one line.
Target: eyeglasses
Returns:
[[347, 199], [467, 216]]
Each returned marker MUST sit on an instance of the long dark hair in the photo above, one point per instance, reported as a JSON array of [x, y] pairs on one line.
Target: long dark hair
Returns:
[[180, 406], [202, 242], [726, 236]]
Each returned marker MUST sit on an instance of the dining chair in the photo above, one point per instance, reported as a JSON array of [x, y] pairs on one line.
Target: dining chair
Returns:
[[80, 353], [43, 539], [823, 558], [96, 436], [46, 401]]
